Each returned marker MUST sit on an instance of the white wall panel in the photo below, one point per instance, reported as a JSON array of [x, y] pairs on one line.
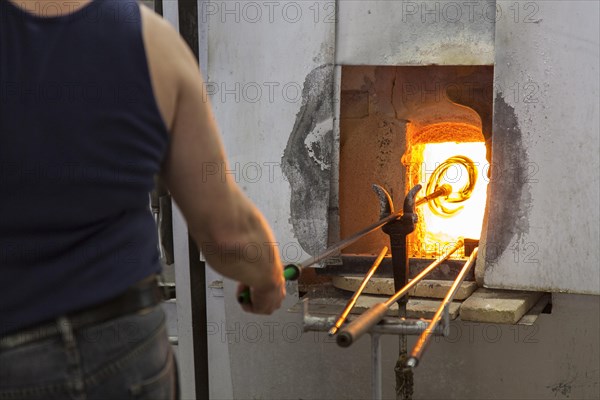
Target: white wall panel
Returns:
[[416, 32], [543, 216], [270, 76]]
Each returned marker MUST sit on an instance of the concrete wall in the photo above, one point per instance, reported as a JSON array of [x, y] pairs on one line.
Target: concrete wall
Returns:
[[408, 32], [543, 211], [557, 358], [270, 77]]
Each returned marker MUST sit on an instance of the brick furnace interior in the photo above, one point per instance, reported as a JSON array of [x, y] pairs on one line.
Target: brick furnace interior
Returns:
[[402, 126]]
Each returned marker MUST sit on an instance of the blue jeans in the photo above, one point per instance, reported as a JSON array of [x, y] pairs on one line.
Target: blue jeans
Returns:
[[124, 358]]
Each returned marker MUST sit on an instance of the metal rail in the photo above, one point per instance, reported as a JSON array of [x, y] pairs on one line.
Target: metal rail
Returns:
[[444, 190], [292, 271], [358, 292], [376, 367], [372, 316], [388, 326], [423, 340]]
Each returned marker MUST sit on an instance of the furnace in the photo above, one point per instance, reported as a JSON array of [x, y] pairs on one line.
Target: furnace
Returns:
[[403, 126], [419, 137]]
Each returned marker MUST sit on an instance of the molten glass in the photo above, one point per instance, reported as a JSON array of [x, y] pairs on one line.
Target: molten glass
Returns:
[[445, 219], [439, 205]]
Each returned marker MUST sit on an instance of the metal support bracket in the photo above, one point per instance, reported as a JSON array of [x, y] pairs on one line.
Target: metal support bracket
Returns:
[[387, 326]]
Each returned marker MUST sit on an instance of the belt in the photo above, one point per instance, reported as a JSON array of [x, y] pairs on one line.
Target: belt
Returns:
[[143, 294]]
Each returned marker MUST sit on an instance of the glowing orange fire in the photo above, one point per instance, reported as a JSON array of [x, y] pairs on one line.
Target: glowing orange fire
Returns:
[[462, 166]]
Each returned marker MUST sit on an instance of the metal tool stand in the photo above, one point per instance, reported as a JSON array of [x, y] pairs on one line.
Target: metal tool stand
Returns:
[[388, 326], [376, 366], [398, 232]]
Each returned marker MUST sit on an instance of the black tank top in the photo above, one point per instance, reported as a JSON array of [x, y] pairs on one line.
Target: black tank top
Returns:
[[81, 138]]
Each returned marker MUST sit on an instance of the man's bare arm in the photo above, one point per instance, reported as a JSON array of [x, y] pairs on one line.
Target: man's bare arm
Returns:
[[220, 217]]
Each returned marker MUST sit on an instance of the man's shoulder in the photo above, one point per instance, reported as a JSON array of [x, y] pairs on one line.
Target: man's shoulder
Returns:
[[154, 21], [171, 62]]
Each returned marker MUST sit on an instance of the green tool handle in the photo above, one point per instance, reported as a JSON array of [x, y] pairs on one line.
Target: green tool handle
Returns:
[[291, 272]]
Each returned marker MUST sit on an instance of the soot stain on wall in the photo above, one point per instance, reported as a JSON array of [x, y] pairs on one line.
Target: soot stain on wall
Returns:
[[306, 161], [509, 194]]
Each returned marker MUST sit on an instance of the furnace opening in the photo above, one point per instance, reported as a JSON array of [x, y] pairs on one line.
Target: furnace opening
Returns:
[[402, 126], [432, 160]]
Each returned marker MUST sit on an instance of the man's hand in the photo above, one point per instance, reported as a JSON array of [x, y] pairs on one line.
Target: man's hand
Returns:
[[264, 300]]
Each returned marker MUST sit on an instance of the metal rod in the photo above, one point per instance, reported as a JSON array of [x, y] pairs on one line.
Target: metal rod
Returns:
[[358, 292], [348, 241], [373, 315], [398, 232], [423, 340], [375, 367], [388, 326], [292, 271], [442, 191], [423, 273]]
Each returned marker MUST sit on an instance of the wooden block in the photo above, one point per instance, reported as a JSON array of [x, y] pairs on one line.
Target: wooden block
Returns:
[[435, 289], [498, 306]]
